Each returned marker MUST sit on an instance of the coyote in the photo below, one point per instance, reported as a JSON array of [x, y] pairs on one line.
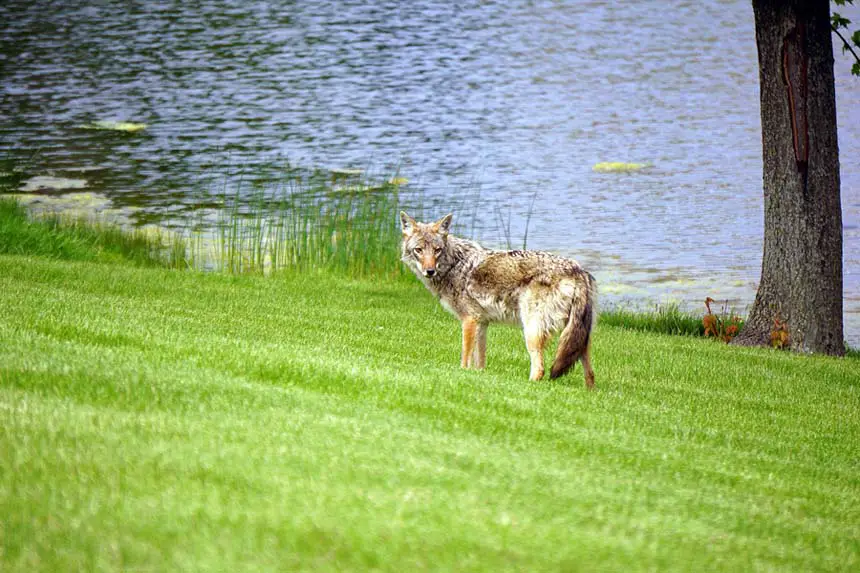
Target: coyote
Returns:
[[540, 291]]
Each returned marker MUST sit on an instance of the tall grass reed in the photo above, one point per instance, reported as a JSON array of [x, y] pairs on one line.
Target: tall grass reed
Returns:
[[346, 223]]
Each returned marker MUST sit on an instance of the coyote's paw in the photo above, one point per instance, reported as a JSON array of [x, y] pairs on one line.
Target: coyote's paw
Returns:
[[536, 375]]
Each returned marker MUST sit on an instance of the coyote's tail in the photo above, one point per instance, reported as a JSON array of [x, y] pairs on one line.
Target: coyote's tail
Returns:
[[574, 338]]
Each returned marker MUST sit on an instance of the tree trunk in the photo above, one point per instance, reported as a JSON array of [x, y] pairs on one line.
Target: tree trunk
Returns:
[[801, 275]]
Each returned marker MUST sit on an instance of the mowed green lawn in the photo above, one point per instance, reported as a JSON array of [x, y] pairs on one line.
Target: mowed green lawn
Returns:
[[161, 420]]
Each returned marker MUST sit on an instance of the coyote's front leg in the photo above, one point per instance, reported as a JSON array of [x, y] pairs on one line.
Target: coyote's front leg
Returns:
[[479, 354], [470, 329]]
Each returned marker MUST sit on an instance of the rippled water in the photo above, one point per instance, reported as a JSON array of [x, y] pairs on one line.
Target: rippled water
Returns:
[[512, 100]]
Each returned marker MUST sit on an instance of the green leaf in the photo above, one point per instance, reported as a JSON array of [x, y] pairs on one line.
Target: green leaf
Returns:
[[855, 69], [839, 2], [855, 37], [838, 21]]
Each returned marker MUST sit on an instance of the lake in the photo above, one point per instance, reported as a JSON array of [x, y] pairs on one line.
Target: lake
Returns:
[[508, 104]]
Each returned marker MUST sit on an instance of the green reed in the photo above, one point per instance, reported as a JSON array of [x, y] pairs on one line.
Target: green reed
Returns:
[[308, 223]]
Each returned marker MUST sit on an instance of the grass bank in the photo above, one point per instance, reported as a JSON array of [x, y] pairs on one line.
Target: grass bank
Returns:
[[58, 238], [346, 225], [163, 420]]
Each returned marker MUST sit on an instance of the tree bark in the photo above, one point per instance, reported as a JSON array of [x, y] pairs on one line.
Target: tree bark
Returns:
[[801, 276]]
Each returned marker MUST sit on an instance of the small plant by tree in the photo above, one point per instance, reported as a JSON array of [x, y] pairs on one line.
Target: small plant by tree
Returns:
[[723, 326], [779, 335]]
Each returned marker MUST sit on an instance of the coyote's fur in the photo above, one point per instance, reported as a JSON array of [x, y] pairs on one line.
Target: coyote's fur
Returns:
[[542, 292]]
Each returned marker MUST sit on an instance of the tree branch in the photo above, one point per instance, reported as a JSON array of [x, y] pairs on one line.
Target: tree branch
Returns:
[[845, 43]]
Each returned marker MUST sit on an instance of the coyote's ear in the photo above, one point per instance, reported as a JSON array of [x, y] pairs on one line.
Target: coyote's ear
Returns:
[[443, 224], [407, 223]]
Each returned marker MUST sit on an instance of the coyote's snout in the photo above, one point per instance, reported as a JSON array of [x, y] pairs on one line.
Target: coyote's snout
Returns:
[[539, 291]]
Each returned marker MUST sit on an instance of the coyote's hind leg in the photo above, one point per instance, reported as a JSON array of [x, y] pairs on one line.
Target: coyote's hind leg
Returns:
[[535, 341], [586, 365]]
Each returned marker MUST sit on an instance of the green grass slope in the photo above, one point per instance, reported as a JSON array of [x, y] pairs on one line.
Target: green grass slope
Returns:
[[161, 420], [57, 238]]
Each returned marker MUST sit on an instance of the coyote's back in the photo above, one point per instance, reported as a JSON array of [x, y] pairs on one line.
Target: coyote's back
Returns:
[[542, 292]]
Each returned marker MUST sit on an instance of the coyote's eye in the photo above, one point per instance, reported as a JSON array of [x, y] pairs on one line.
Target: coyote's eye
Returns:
[[418, 250], [437, 251]]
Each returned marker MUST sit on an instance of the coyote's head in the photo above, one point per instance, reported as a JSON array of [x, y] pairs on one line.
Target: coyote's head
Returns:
[[424, 245]]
